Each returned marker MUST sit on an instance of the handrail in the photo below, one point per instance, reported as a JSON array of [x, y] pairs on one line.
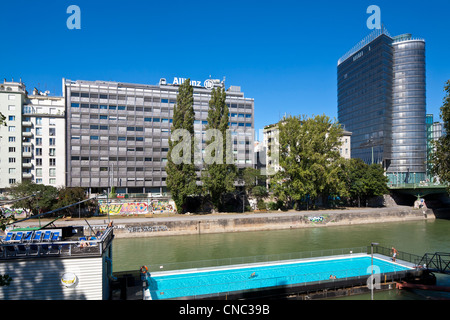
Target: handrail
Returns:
[[153, 267], [31, 249]]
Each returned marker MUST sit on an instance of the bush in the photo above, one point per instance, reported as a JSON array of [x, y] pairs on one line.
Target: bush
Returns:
[[261, 205]]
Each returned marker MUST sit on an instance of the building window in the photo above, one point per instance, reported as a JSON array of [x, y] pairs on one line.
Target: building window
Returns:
[[94, 137], [12, 181], [38, 121], [12, 170], [52, 141], [39, 151], [11, 128], [39, 181], [52, 181], [12, 139], [38, 161], [12, 149], [52, 162], [12, 118], [51, 131], [52, 152], [52, 121], [39, 131], [12, 160], [11, 97], [38, 172], [39, 141], [52, 172]]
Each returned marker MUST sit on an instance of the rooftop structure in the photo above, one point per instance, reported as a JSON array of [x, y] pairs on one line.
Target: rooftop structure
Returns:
[[69, 263]]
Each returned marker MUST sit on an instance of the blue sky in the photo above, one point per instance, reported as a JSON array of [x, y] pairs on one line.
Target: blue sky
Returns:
[[282, 53]]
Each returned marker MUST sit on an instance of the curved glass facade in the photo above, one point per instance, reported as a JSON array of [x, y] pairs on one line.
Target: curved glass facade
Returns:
[[382, 101], [409, 110]]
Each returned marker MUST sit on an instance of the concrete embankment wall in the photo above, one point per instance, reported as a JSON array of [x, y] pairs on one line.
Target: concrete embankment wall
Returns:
[[184, 225]]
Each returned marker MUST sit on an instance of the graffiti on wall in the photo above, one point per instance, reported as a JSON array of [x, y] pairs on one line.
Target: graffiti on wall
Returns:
[[17, 213], [129, 208]]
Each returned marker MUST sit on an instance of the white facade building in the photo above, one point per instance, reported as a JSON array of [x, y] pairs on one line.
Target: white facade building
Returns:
[[32, 143]]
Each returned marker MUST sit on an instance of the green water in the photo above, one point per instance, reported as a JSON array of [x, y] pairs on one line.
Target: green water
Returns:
[[417, 237]]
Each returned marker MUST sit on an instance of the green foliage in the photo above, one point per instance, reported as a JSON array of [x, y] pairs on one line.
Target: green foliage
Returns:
[[309, 158], [68, 196], [5, 280], [219, 176], [441, 157], [181, 177], [45, 199], [261, 205], [363, 181]]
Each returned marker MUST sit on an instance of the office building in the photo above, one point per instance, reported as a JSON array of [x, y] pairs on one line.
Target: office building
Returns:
[[118, 133], [33, 140], [381, 100]]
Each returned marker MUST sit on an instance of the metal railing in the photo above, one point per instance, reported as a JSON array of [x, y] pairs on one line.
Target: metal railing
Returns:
[[437, 262], [262, 259], [14, 250], [405, 256], [356, 275]]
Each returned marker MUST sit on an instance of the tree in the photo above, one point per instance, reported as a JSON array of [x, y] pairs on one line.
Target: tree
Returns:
[[219, 172], [68, 196], [353, 176], [441, 157], [251, 178], [363, 181], [44, 199], [309, 154], [181, 175]]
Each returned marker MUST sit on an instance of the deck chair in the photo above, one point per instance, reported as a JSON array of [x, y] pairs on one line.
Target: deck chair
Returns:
[[22, 249], [9, 237], [10, 251], [18, 237], [28, 236], [47, 235], [37, 236], [55, 236], [33, 250]]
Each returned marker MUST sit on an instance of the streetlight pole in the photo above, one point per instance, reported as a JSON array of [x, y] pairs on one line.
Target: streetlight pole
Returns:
[[371, 264]]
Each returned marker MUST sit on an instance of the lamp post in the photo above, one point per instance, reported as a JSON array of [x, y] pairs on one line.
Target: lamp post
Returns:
[[371, 264]]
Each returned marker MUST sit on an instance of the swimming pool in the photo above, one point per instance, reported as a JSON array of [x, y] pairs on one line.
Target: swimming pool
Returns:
[[188, 283]]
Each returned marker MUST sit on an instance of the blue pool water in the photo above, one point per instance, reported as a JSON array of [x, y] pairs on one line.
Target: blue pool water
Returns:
[[195, 283]]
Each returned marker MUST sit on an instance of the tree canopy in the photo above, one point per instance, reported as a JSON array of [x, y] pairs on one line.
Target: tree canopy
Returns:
[[441, 156], [181, 173], [219, 172], [309, 154]]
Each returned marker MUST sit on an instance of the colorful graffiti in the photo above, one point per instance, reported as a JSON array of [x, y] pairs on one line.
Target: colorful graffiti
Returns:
[[17, 213], [129, 208]]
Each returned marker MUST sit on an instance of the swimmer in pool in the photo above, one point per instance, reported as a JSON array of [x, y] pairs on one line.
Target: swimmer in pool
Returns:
[[252, 275]]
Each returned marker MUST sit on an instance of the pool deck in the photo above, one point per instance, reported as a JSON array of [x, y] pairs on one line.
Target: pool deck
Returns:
[[294, 291], [281, 262]]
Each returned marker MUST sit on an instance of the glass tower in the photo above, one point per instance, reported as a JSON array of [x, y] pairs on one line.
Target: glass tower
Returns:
[[381, 100]]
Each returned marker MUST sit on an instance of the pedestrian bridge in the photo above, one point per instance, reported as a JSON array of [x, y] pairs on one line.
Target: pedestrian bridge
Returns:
[[419, 189]]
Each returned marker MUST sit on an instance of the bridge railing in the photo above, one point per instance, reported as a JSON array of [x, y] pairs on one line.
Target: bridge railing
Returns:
[[438, 262], [405, 256]]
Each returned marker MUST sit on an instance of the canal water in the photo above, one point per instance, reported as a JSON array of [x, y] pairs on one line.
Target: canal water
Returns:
[[416, 237]]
